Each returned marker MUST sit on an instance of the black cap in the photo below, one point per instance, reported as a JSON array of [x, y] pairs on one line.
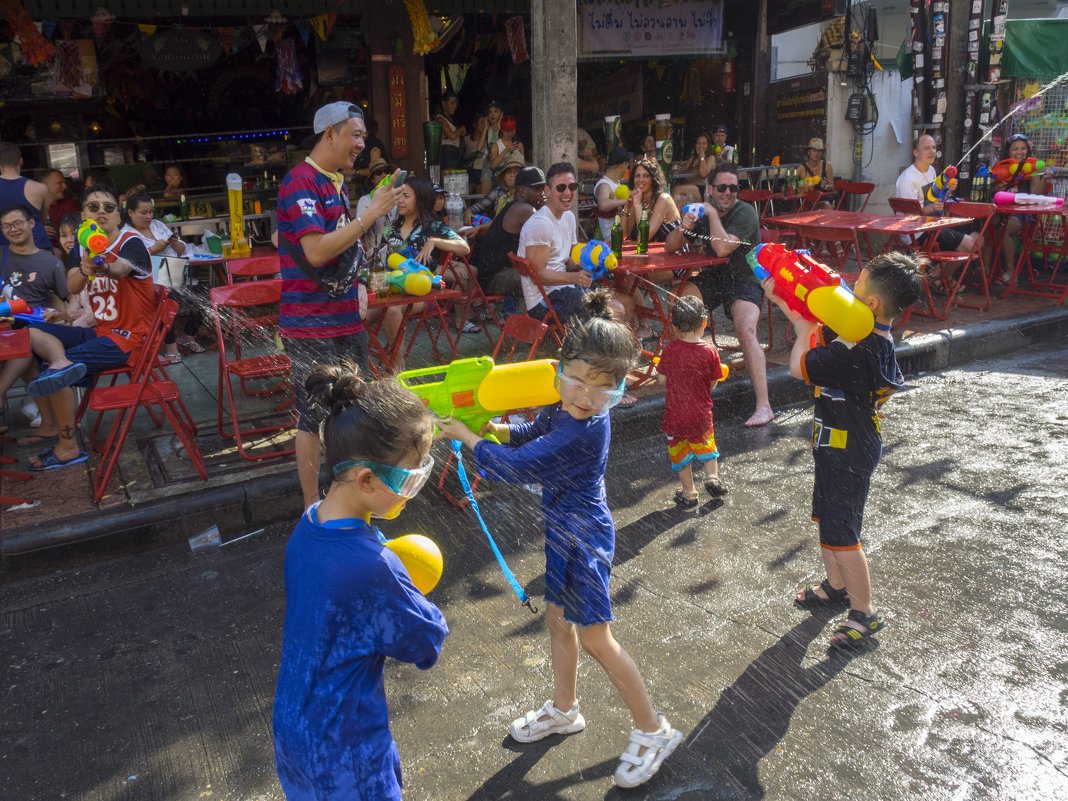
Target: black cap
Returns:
[[438, 190], [719, 128], [619, 156], [530, 176]]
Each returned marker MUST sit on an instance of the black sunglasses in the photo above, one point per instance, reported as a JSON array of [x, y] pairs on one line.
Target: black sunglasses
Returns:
[[561, 188], [94, 207], [725, 187]]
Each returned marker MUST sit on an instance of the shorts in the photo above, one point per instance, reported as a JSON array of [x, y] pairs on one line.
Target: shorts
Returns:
[[720, 287], [838, 499], [576, 580], [567, 301], [948, 239], [683, 451], [504, 282], [306, 354], [83, 345]]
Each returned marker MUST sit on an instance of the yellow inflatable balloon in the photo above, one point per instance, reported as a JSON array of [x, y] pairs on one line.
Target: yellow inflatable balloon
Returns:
[[622, 192], [421, 557]]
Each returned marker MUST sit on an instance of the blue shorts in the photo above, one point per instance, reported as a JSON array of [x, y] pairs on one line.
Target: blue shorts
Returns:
[[567, 301], [838, 499], [576, 580], [83, 345]]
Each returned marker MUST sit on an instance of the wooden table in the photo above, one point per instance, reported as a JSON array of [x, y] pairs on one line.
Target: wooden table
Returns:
[[1037, 224]]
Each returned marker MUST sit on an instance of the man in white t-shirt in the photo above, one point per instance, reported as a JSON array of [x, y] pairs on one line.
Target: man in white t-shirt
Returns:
[[913, 183]]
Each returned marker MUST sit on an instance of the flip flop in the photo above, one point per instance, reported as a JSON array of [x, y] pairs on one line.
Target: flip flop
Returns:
[[49, 460], [38, 439], [191, 347], [49, 382]]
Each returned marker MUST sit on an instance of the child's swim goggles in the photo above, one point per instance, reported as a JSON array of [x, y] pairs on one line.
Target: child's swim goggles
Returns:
[[402, 481], [596, 399]]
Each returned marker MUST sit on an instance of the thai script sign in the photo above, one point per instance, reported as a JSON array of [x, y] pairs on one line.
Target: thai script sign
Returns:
[[650, 28]]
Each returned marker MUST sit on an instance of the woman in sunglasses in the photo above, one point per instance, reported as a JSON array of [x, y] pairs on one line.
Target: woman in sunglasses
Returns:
[[349, 601], [566, 451]]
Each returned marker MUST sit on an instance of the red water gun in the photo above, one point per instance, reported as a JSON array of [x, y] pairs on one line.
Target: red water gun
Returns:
[[812, 289], [1006, 169]]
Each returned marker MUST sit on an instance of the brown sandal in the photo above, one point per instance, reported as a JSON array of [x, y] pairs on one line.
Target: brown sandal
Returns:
[[715, 487], [686, 501]]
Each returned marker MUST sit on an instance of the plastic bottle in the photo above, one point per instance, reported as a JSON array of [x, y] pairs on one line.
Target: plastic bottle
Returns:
[[454, 211], [183, 208], [617, 237], [643, 233]]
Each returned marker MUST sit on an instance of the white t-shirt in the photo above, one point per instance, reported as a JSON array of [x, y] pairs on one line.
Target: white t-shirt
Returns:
[[160, 230], [606, 223], [911, 182], [543, 228]]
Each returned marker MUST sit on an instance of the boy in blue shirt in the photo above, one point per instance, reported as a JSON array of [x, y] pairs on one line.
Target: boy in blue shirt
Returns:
[[851, 381]]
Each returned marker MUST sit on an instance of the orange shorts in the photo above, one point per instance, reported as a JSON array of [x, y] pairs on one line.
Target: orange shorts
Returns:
[[683, 451]]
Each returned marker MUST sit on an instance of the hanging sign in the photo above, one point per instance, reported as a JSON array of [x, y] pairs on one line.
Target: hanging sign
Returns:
[[398, 118], [650, 28], [180, 50]]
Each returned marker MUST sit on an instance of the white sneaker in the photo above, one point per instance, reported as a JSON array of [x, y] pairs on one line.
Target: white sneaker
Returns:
[[531, 727], [634, 769], [29, 410]]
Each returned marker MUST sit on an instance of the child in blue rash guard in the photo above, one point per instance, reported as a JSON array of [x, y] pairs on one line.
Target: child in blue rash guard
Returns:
[[566, 450], [349, 600], [851, 381]]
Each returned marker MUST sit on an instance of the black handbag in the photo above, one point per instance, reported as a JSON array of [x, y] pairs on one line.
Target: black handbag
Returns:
[[335, 281]]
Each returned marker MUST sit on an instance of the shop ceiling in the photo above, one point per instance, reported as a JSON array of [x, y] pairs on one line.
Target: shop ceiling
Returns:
[[86, 9]]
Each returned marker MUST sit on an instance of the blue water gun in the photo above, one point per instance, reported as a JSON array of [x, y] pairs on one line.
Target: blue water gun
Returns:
[[944, 185], [409, 277], [19, 309], [696, 209], [595, 257], [478, 220]]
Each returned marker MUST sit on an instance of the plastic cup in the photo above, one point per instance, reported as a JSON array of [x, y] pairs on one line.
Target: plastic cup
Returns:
[[227, 249]]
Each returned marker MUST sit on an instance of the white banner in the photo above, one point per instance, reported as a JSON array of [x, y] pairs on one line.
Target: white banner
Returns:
[[650, 28]]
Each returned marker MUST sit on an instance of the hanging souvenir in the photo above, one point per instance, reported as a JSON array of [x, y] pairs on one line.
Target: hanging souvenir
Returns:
[[37, 49], [517, 39], [288, 80]]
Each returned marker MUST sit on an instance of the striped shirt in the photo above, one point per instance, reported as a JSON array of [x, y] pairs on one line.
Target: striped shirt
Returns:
[[309, 201]]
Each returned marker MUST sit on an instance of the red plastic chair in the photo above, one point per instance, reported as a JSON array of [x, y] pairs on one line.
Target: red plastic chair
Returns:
[[237, 298], [525, 269], [452, 267], [238, 270], [760, 198], [956, 266], [144, 390], [853, 189]]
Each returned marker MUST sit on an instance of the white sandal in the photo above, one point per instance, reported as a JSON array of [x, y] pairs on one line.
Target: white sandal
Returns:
[[634, 769], [530, 727]]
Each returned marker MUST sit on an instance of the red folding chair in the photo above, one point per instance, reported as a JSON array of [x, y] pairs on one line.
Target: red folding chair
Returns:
[[474, 295], [238, 270], [237, 298], [525, 269], [518, 330], [760, 198], [956, 266], [861, 190], [144, 390]]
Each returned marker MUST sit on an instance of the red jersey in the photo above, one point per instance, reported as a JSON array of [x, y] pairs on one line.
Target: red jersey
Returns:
[[123, 307], [691, 369]]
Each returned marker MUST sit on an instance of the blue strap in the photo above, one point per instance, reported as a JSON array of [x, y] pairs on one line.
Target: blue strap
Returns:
[[462, 474]]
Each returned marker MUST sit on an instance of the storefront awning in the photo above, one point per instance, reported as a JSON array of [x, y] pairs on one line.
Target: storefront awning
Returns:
[[140, 9], [1035, 48]]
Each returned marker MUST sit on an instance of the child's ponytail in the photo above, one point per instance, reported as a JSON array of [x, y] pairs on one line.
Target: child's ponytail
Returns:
[[601, 341]]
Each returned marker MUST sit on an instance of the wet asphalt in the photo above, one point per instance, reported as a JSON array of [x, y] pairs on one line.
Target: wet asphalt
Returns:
[[151, 676]]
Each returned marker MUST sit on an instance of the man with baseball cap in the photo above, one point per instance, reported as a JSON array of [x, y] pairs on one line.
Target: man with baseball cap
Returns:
[[604, 191], [314, 229], [723, 152]]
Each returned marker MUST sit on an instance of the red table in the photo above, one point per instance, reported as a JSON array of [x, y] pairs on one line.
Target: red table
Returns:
[[13, 345], [657, 261], [1034, 231], [433, 306], [910, 225]]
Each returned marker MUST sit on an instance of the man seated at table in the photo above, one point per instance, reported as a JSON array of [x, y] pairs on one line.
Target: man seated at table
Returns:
[[914, 183], [546, 239], [496, 275], [729, 229]]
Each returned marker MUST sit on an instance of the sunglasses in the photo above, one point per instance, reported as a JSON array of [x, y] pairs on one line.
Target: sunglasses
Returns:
[[93, 208], [725, 187], [401, 481], [561, 188], [598, 399]]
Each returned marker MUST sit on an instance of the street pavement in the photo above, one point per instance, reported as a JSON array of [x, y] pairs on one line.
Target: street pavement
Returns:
[[151, 676]]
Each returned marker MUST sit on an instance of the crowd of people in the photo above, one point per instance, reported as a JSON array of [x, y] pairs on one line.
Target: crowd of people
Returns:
[[330, 720]]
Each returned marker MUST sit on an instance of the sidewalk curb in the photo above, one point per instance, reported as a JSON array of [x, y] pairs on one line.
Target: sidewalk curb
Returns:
[[268, 499]]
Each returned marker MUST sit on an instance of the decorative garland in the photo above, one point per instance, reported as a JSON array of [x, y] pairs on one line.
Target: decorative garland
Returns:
[[425, 39]]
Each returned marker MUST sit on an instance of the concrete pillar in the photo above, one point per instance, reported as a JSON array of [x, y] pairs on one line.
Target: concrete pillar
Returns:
[[554, 80]]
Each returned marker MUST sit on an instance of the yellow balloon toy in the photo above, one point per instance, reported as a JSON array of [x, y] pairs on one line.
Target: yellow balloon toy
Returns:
[[421, 557], [622, 192]]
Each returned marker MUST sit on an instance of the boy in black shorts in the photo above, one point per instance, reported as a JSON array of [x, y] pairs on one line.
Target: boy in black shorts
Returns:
[[851, 382]]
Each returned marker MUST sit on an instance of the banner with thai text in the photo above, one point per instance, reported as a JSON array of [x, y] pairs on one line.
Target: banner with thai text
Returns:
[[650, 28]]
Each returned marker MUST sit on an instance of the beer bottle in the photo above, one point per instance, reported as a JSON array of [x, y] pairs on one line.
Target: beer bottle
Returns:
[[617, 237], [643, 233], [183, 208]]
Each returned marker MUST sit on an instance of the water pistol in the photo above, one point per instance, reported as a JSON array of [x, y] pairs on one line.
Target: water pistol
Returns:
[[475, 390], [1021, 199], [478, 220], [409, 277], [1004, 169], [696, 209], [20, 310], [812, 289], [595, 257], [93, 241], [945, 184]]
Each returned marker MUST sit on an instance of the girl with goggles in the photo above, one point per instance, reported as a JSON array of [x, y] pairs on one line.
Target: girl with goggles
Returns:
[[349, 601], [565, 449]]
